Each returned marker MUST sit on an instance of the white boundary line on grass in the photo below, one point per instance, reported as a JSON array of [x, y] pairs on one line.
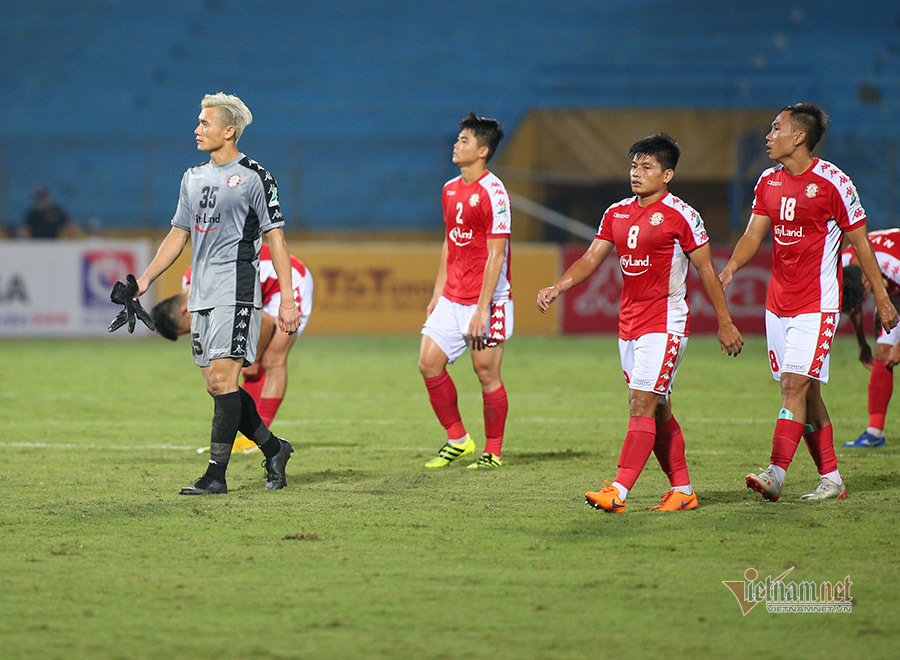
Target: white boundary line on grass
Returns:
[[354, 448]]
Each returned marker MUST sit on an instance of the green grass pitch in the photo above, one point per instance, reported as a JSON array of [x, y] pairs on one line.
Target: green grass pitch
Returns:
[[367, 555]]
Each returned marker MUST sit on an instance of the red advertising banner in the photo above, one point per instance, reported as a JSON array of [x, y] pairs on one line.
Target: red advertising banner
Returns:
[[593, 307]]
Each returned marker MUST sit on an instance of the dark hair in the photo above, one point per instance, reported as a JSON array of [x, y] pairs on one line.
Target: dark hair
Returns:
[[810, 119], [167, 316], [661, 146], [487, 131], [854, 291]]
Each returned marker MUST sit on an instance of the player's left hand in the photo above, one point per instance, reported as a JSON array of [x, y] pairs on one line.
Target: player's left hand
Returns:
[[730, 339], [288, 318], [124, 294], [887, 313], [545, 297], [478, 328]]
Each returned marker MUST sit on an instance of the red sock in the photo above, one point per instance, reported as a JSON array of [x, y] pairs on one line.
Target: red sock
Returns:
[[784, 442], [442, 393], [496, 405], [636, 449], [881, 386], [821, 447], [253, 385], [669, 450], [267, 409]]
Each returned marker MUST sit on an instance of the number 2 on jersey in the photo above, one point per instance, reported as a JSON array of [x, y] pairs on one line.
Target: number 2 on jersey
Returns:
[[459, 208], [632, 236]]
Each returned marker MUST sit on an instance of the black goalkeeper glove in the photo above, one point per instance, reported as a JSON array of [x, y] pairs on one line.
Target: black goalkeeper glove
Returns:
[[123, 294]]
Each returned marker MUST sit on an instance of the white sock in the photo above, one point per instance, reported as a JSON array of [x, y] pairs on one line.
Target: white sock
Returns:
[[684, 490], [459, 441], [779, 474], [623, 492], [835, 477], [878, 433]]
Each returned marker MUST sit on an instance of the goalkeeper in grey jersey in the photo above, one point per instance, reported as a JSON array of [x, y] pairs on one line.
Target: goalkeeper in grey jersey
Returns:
[[225, 207]]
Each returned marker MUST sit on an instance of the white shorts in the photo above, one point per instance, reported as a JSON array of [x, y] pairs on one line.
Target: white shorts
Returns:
[[448, 325], [651, 361], [801, 344], [229, 331], [890, 337], [303, 295]]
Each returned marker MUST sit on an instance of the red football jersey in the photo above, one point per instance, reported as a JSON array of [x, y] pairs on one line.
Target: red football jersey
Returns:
[[808, 215], [473, 213], [268, 278], [652, 243], [886, 245]]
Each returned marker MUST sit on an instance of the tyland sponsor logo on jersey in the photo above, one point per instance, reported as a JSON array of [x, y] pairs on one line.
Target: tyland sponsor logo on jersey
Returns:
[[100, 270], [632, 266], [461, 236], [206, 222], [786, 236], [805, 597]]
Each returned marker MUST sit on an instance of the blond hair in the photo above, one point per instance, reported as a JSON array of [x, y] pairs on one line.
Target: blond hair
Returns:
[[232, 111]]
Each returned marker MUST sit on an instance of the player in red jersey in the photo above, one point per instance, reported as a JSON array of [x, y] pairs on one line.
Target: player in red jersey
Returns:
[[807, 204], [266, 379], [655, 235], [886, 245], [472, 301]]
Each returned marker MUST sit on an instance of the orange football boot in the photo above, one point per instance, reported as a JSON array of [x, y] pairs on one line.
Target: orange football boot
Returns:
[[607, 499], [675, 501]]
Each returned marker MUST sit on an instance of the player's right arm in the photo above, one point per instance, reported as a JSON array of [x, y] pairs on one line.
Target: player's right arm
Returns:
[[440, 282], [859, 239], [169, 250], [865, 351], [577, 273], [747, 246]]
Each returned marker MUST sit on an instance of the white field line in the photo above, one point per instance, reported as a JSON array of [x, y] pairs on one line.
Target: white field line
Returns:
[[362, 448]]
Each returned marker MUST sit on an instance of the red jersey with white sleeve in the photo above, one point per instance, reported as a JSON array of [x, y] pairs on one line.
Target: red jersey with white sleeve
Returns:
[[886, 245], [652, 243], [808, 214], [474, 213], [268, 278]]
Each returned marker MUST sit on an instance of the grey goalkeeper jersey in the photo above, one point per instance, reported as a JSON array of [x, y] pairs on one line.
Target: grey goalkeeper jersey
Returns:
[[226, 208]]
